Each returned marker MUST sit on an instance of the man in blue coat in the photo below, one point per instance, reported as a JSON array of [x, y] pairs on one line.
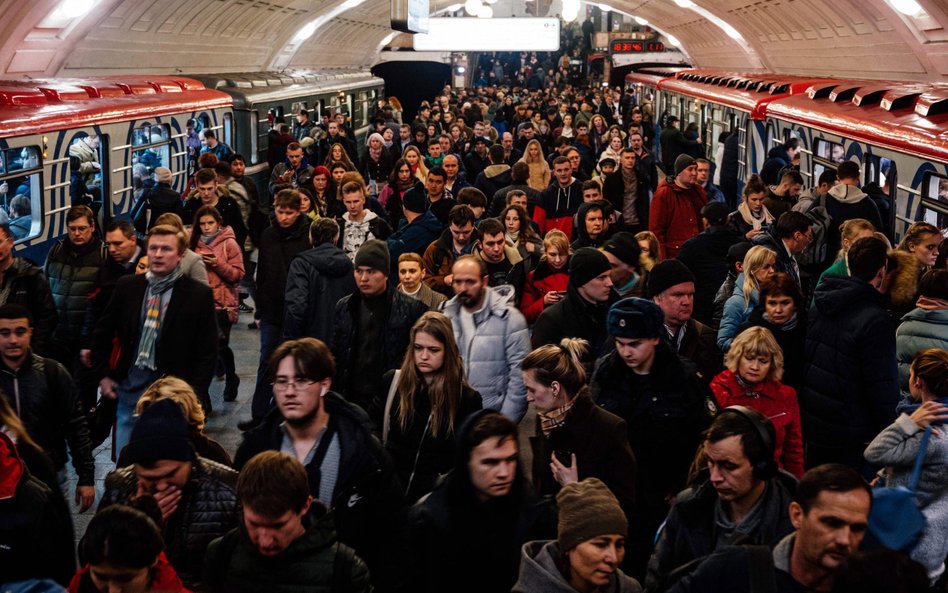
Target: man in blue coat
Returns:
[[419, 229]]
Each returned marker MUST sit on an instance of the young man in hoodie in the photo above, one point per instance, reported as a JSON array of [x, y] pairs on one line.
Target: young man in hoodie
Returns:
[[559, 202], [845, 201], [358, 225], [496, 175]]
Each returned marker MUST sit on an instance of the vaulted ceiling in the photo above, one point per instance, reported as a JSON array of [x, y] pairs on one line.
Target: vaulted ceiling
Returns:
[[852, 38]]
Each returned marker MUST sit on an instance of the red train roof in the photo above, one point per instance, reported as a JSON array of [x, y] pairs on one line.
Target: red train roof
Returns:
[[908, 117], [37, 106]]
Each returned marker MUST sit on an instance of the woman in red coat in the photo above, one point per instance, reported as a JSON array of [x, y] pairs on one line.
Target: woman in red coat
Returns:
[[754, 368], [546, 284]]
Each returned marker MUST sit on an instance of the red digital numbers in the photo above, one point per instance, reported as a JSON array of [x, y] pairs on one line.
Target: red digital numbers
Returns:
[[628, 47]]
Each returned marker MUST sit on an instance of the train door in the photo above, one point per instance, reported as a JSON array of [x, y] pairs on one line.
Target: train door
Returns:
[[933, 207], [150, 149], [86, 156], [21, 191], [881, 172]]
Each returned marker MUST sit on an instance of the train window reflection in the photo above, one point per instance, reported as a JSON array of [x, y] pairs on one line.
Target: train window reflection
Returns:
[[21, 191], [831, 151], [154, 151]]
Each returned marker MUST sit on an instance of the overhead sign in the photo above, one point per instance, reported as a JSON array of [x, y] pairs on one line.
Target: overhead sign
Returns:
[[410, 16], [634, 46], [500, 34]]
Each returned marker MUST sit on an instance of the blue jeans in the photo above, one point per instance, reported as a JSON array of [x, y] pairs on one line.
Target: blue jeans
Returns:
[[271, 336], [127, 393]]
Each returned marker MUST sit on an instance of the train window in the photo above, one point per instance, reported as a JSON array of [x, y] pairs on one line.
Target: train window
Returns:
[[255, 137], [934, 206], [85, 169], [228, 130], [152, 150], [299, 106], [831, 151], [275, 114], [21, 191], [936, 188]]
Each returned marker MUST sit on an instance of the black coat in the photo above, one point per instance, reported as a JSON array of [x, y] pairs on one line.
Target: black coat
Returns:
[[700, 347], [599, 440], [367, 502], [613, 190], [574, 317], [105, 281], [851, 381], [791, 341], [187, 343], [27, 286], [403, 311], [208, 509], [154, 202], [706, 256], [315, 282], [278, 247]]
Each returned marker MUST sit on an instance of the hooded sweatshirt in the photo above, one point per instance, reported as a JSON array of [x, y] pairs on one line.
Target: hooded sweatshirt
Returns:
[[846, 202], [539, 572], [557, 207]]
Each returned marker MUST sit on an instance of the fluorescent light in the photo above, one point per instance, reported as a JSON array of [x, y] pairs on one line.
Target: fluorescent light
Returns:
[[73, 9], [605, 8], [305, 33], [472, 6], [731, 32], [454, 7], [684, 3], [640, 20], [485, 12], [906, 7], [672, 40]]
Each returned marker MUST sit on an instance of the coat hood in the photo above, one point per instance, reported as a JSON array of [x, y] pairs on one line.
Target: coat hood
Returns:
[[496, 171], [904, 287], [909, 407], [499, 300], [847, 194], [429, 222], [369, 215], [779, 152], [539, 571], [328, 259], [226, 233], [835, 296]]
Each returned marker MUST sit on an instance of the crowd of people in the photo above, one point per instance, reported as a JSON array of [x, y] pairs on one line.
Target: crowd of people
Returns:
[[716, 378]]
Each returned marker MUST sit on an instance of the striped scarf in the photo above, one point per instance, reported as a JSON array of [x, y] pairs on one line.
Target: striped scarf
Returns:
[[554, 418], [146, 345]]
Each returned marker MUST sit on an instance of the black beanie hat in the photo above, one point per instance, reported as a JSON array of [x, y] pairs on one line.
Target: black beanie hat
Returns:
[[666, 274], [585, 264], [161, 433], [374, 254], [415, 199], [683, 162], [624, 246], [635, 318]]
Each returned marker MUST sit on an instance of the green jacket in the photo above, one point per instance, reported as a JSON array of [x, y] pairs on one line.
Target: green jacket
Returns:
[[314, 563]]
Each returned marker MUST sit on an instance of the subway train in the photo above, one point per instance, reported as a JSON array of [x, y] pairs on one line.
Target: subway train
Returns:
[[897, 131], [98, 140]]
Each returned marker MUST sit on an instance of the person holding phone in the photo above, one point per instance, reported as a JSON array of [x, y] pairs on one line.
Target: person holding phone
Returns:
[[217, 245], [575, 439]]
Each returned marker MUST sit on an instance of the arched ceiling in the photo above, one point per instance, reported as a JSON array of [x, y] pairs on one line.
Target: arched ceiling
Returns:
[[851, 38]]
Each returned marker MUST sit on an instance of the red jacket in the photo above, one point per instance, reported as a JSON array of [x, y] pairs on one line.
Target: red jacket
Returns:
[[164, 580], [675, 215], [774, 400], [541, 281]]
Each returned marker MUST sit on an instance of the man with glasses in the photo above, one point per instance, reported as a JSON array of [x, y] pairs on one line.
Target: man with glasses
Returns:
[[72, 267], [347, 468]]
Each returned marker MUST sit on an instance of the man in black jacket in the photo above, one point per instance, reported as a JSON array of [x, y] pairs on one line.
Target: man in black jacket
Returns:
[[627, 193], [371, 326], [197, 497], [208, 192], [23, 283], [348, 470], [163, 299], [42, 394], [741, 499]]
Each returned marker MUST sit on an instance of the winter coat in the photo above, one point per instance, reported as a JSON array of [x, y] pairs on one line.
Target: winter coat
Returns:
[[431, 299], [303, 177], [401, 314], [721, 297], [44, 397], [920, 329], [208, 509], [413, 237], [71, 272], [903, 288], [736, 311], [493, 178], [574, 317], [420, 457], [278, 247], [439, 259], [367, 502], [156, 201], [315, 282], [674, 143], [225, 275], [792, 342], [778, 159], [377, 171], [308, 565], [36, 538], [515, 276], [557, 207], [25, 284], [600, 442], [541, 280], [499, 200], [675, 215], [613, 190], [690, 532], [699, 347], [540, 572], [896, 448], [776, 401], [228, 208], [493, 355], [846, 202], [705, 255], [192, 266], [851, 378]]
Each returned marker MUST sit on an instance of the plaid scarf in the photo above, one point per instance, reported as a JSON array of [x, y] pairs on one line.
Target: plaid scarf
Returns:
[[554, 418], [146, 345]]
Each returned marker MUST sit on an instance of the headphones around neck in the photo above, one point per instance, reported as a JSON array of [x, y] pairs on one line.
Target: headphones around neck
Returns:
[[764, 469]]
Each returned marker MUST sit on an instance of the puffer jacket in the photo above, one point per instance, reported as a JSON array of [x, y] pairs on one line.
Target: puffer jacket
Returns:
[[492, 356], [43, 395], [315, 282], [540, 572], [208, 509], [850, 375], [896, 448], [675, 215], [307, 565], [920, 329], [71, 273], [736, 312], [225, 275]]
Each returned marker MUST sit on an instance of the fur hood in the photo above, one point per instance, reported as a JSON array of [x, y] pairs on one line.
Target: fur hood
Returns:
[[904, 287]]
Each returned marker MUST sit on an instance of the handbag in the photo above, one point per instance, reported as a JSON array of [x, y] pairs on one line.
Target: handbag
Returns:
[[895, 521]]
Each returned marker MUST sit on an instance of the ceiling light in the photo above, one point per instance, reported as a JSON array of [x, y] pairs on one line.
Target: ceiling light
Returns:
[[485, 12], [472, 6], [732, 32], [305, 33], [640, 20], [684, 3], [73, 9], [672, 40], [906, 7], [605, 8], [454, 7]]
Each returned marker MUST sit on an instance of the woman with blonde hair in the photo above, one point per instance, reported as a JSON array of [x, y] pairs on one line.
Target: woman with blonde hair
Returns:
[[849, 232], [540, 174], [546, 284], [752, 378], [178, 391], [650, 252], [916, 253], [416, 161], [427, 401], [759, 265]]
